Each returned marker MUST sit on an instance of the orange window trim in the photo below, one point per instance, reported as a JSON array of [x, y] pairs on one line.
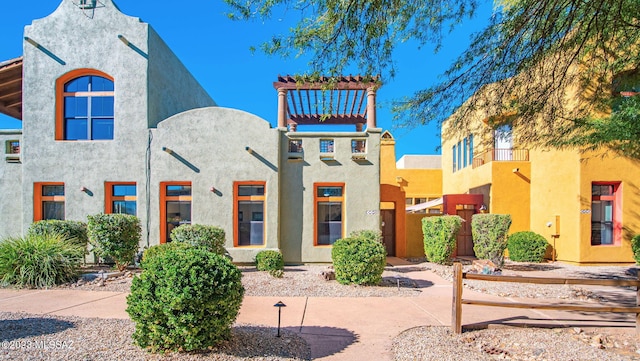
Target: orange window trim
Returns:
[[163, 204], [236, 198], [317, 199], [38, 198], [109, 198], [60, 93]]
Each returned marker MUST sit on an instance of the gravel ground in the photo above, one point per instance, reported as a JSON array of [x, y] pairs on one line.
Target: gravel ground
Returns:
[[439, 344], [34, 337], [41, 337]]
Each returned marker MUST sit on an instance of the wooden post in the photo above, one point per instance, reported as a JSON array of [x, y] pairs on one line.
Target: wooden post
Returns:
[[638, 304], [456, 312]]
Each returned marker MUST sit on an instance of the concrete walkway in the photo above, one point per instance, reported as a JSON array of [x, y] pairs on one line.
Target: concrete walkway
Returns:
[[335, 328]]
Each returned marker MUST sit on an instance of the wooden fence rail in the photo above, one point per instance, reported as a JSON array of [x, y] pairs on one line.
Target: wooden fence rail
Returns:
[[458, 301]]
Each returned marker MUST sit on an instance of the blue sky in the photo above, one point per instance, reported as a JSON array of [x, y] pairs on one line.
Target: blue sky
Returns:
[[216, 51]]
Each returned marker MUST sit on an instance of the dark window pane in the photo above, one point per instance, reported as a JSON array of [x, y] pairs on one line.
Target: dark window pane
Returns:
[[53, 210], [124, 190], [77, 84], [178, 213], [102, 106], [250, 223], [177, 190], [75, 107], [76, 129], [329, 191], [101, 84], [102, 129], [49, 191], [329, 222], [124, 207], [251, 190]]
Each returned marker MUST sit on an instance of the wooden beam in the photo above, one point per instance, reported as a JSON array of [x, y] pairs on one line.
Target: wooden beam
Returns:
[[456, 311], [545, 280], [557, 307]]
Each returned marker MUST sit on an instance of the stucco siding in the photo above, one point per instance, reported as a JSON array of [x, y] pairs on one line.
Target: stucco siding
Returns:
[[10, 185]]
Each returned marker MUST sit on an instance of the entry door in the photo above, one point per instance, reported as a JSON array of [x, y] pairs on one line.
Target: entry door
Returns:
[[464, 243], [389, 230]]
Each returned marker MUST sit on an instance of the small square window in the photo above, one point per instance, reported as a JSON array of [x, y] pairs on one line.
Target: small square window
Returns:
[[295, 145], [326, 146], [358, 146]]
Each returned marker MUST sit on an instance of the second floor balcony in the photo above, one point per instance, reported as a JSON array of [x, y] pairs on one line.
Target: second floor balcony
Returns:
[[500, 155]]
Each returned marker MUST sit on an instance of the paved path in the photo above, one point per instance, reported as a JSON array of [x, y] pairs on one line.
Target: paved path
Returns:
[[335, 328]]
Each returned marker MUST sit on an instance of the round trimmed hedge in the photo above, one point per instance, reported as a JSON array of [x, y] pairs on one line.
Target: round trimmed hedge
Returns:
[[270, 261], [527, 247], [184, 300], [358, 260]]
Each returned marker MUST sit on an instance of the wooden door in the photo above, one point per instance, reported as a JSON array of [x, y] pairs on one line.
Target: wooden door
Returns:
[[464, 243], [389, 230]]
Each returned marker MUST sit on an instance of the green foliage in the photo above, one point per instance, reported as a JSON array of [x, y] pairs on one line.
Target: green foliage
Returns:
[[440, 237], [526, 247], [364, 33], [116, 236], [74, 231], [270, 261], [197, 235], [358, 260], [185, 300], [635, 246], [153, 251], [490, 236], [527, 53], [39, 260], [374, 235]]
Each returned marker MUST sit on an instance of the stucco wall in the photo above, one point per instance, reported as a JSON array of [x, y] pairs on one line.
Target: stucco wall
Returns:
[[209, 150], [72, 40], [168, 78], [361, 190], [10, 185]]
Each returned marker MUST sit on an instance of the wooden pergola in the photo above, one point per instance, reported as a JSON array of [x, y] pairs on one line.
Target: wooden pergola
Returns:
[[330, 101], [11, 88]]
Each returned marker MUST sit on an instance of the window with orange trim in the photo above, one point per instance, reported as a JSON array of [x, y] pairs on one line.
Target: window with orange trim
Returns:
[[85, 106], [175, 207], [48, 201], [248, 225], [328, 199], [120, 197]]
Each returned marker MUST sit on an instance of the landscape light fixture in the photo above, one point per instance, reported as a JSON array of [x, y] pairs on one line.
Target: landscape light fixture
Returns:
[[279, 305]]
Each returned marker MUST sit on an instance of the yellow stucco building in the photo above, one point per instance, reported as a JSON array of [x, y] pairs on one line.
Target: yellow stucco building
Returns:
[[410, 181], [585, 205]]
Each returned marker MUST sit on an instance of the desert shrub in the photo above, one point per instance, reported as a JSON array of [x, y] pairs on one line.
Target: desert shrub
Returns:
[[526, 247], [358, 260], [440, 237], [185, 299], [39, 260], [116, 236], [635, 247], [270, 261], [374, 235], [74, 231], [161, 248], [490, 236], [210, 237]]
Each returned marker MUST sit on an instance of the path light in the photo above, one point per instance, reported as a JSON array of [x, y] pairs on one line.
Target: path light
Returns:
[[279, 305]]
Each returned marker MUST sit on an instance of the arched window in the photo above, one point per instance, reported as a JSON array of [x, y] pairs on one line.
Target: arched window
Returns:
[[85, 106]]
